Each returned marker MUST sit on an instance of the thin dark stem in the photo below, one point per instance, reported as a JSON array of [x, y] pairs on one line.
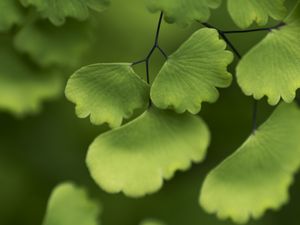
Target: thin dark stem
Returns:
[[139, 62], [230, 44], [254, 116], [158, 28], [148, 79], [209, 25], [155, 46], [223, 35], [245, 31], [234, 49], [254, 30], [147, 72], [150, 52], [162, 52]]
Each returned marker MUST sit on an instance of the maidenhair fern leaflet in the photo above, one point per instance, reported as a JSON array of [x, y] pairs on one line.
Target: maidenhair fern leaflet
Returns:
[[153, 124], [190, 76]]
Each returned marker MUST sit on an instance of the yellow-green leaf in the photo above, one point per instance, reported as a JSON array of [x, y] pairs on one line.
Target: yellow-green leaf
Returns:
[[192, 74], [108, 93], [70, 205], [244, 13], [137, 157], [272, 67], [257, 176]]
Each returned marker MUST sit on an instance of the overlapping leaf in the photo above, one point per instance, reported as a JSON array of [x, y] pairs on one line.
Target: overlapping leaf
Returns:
[[244, 13], [58, 10], [107, 92], [192, 74], [49, 45], [256, 177], [11, 13], [184, 12], [22, 86], [137, 157], [70, 205], [272, 67]]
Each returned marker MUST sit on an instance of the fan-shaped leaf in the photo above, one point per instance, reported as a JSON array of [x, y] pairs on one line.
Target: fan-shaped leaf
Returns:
[[190, 75], [57, 10], [11, 14], [256, 177], [49, 45], [22, 86], [135, 158], [70, 205], [184, 12], [107, 92], [244, 13], [272, 67]]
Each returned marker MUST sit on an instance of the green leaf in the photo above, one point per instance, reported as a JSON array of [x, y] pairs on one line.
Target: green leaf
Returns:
[[58, 10], [184, 12], [11, 14], [191, 74], [257, 176], [244, 13], [152, 222], [107, 92], [49, 45], [137, 157], [272, 67], [23, 87], [70, 205]]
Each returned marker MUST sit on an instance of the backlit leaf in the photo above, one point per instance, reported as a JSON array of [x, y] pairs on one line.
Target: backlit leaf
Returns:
[[257, 176], [184, 12], [192, 74], [272, 67], [70, 205], [57, 10], [244, 13], [107, 92], [138, 156]]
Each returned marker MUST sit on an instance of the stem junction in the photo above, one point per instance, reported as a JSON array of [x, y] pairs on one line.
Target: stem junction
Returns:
[[153, 48]]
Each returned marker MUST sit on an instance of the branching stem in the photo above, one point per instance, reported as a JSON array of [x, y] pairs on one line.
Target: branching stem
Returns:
[[229, 43], [239, 56], [153, 48]]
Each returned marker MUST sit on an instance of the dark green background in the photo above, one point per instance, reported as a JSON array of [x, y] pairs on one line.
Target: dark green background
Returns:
[[38, 152]]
